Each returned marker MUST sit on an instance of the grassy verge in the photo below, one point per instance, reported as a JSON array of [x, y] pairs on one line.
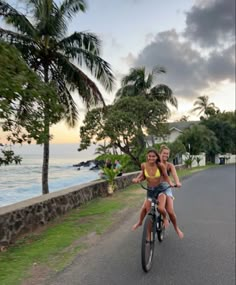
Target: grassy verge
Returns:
[[53, 247]]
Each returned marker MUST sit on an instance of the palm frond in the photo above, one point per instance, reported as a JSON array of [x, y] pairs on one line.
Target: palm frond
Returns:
[[70, 7], [98, 67], [48, 19], [134, 75], [86, 41], [17, 19], [128, 90], [163, 93], [199, 108], [12, 37], [64, 96], [158, 70], [77, 79]]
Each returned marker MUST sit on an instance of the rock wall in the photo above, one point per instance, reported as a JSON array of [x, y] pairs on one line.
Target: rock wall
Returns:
[[26, 216]]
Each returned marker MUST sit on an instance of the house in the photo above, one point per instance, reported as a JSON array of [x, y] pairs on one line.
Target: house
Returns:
[[175, 130]]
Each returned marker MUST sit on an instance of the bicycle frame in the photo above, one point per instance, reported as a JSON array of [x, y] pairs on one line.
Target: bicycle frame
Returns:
[[154, 212], [153, 226]]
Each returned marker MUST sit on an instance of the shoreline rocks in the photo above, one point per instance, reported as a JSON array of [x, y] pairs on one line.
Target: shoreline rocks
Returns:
[[93, 164]]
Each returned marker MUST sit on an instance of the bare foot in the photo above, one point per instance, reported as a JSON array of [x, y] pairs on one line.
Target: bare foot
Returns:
[[179, 233], [134, 227], [166, 222]]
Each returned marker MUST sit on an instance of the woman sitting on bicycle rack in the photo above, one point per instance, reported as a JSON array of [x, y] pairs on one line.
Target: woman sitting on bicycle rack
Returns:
[[158, 181]]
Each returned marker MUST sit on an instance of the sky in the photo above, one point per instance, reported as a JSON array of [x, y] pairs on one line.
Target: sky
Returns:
[[193, 40]]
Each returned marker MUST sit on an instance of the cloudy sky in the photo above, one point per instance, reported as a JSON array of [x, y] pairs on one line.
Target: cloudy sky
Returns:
[[193, 40]]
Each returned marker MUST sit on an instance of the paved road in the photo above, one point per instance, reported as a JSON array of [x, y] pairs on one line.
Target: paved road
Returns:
[[205, 207]]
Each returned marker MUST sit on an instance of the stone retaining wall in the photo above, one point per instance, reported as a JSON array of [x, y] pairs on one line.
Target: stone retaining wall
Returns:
[[26, 216]]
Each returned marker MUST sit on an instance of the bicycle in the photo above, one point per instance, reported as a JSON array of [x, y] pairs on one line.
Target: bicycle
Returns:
[[153, 226]]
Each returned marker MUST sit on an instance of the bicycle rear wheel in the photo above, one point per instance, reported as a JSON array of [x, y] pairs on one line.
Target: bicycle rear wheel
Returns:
[[148, 243], [160, 229]]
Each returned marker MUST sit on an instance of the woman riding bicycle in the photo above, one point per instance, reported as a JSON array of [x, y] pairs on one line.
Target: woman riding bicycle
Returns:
[[166, 200], [154, 172]]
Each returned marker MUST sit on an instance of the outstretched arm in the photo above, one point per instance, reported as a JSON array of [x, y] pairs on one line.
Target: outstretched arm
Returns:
[[175, 175], [140, 177]]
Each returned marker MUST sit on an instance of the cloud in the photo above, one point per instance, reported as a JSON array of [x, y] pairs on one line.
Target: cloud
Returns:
[[185, 66], [221, 65], [192, 70], [211, 22], [129, 59]]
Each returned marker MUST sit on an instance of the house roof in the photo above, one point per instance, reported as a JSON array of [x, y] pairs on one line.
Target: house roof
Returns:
[[181, 126]]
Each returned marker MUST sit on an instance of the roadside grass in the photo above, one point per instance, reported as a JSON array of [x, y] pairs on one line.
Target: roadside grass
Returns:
[[54, 246]]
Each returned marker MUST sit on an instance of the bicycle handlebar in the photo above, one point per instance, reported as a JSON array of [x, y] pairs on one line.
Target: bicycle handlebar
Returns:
[[146, 188]]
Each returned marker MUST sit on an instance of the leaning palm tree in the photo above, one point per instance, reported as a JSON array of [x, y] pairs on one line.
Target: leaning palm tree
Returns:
[[138, 82], [42, 39], [202, 105]]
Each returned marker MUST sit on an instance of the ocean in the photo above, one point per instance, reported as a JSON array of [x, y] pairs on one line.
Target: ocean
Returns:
[[21, 182]]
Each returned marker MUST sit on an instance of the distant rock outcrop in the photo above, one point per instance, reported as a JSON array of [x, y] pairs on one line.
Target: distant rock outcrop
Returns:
[[93, 164]]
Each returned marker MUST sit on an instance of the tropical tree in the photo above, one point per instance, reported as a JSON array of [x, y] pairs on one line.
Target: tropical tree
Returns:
[[200, 139], [122, 125], [7, 156], [184, 118], [102, 149], [203, 106], [42, 39], [22, 99], [224, 127], [139, 82]]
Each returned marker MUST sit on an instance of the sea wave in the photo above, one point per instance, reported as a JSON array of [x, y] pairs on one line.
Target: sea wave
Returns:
[[21, 182]]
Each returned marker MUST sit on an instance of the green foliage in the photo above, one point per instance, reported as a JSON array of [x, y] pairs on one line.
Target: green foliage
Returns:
[[200, 139], [140, 83], [8, 157], [198, 159], [202, 105], [224, 127], [139, 108], [41, 37], [122, 123], [110, 175], [22, 99], [189, 161]]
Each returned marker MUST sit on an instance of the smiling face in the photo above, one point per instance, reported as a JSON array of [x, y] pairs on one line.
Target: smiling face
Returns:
[[152, 157], [165, 153]]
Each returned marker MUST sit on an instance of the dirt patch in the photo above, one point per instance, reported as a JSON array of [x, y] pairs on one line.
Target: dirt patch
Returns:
[[38, 275]]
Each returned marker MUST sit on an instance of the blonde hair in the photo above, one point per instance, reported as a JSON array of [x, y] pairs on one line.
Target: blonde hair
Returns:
[[163, 147]]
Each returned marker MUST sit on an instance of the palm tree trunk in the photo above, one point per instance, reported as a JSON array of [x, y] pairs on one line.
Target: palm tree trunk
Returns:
[[45, 167], [45, 189]]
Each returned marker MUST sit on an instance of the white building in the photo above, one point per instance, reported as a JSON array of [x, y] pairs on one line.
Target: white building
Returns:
[[175, 130]]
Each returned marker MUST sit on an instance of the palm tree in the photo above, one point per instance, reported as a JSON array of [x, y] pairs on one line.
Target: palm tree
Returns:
[[102, 149], [203, 106], [138, 82], [42, 39], [184, 118]]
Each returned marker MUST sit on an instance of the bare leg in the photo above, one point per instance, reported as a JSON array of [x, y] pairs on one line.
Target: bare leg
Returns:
[[172, 215], [145, 208], [162, 210]]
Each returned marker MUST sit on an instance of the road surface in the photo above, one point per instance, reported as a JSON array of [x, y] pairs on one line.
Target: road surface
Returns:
[[205, 208]]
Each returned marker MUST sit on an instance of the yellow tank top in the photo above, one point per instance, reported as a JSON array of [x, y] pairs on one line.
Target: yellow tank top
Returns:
[[157, 174]]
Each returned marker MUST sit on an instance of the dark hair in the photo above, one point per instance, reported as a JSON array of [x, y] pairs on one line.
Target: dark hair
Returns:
[[158, 160]]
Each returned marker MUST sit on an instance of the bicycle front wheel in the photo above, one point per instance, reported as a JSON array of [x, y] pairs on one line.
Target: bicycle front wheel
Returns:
[[148, 243]]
